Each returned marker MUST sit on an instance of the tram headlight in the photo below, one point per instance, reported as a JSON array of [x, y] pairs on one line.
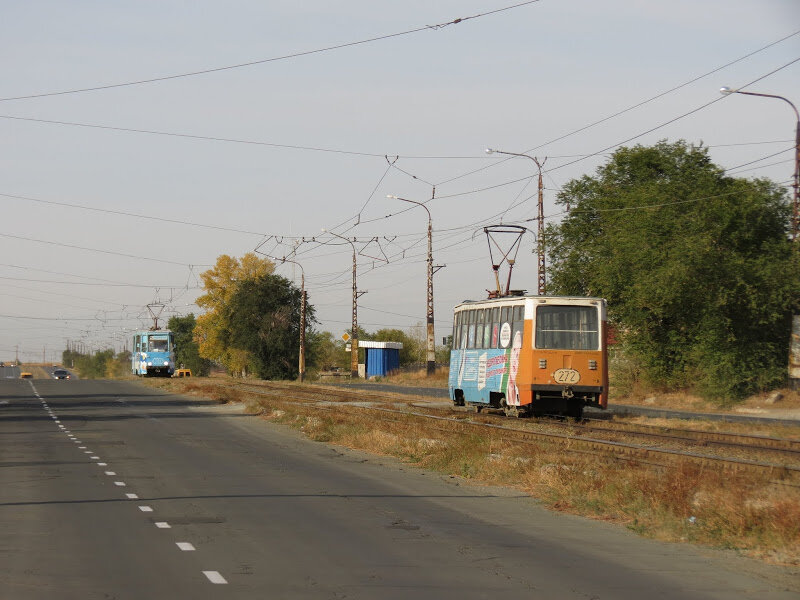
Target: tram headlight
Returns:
[[149, 363]]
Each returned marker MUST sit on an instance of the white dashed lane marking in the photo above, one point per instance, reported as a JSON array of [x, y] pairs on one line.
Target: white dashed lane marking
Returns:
[[214, 577]]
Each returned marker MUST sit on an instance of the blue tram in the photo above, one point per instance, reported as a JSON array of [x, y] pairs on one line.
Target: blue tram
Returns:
[[530, 355], [153, 353]]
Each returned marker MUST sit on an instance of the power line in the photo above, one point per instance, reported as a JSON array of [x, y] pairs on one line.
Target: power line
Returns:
[[111, 252], [191, 136], [127, 214], [630, 108], [681, 116], [266, 60], [139, 285]]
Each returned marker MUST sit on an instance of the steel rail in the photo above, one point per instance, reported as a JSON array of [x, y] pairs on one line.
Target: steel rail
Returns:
[[635, 451]]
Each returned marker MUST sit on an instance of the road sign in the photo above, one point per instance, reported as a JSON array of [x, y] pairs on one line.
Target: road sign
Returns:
[[346, 337]]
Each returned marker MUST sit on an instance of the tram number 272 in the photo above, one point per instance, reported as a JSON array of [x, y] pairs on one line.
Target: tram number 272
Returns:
[[570, 376]]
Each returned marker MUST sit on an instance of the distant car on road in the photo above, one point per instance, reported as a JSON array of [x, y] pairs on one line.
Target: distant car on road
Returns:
[[26, 375], [60, 374]]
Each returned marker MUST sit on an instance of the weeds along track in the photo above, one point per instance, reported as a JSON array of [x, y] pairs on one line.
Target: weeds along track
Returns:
[[779, 446], [660, 446]]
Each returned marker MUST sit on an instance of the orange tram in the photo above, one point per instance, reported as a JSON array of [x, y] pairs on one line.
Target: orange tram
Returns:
[[530, 355]]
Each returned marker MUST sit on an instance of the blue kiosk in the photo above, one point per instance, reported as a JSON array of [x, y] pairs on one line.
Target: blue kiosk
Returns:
[[380, 358]]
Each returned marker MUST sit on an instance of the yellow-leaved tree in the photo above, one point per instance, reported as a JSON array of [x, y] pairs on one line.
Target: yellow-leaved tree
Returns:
[[220, 283]]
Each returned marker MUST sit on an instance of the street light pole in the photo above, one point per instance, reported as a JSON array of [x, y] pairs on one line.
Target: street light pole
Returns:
[[794, 348], [354, 339], [301, 362], [431, 351], [542, 290], [796, 183]]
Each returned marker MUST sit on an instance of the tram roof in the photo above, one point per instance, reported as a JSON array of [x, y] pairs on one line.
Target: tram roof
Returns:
[[510, 300], [150, 331]]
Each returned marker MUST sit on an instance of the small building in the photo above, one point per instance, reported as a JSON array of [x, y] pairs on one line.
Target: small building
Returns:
[[380, 358]]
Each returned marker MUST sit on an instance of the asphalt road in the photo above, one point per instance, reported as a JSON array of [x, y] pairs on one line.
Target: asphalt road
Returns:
[[109, 490], [9, 372]]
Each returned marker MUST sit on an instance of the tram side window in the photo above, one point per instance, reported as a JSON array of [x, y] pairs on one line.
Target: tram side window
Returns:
[[487, 329], [567, 327], [471, 329], [479, 322], [495, 327], [456, 330], [136, 345], [519, 323]]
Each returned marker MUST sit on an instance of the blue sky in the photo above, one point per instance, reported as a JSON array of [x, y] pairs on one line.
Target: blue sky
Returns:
[[318, 129]]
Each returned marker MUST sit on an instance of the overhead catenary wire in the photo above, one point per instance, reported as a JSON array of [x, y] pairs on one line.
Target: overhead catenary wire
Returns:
[[415, 242], [98, 250], [284, 57], [634, 106]]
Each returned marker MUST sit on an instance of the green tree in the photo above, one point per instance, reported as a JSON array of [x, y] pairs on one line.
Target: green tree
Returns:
[[188, 353], [414, 345], [103, 364], [212, 327], [262, 317], [696, 266], [325, 351]]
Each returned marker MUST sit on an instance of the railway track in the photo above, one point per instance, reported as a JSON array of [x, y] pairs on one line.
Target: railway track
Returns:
[[659, 445]]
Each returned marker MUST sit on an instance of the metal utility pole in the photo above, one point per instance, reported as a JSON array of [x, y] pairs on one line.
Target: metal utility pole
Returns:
[[794, 348], [356, 294], [540, 233], [431, 350], [540, 247], [301, 367]]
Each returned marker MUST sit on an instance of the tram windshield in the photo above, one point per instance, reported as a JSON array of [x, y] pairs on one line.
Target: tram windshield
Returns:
[[567, 328], [159, 344]]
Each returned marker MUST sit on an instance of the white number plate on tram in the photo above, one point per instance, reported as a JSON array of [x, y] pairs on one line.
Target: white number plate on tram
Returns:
[[566, 376]]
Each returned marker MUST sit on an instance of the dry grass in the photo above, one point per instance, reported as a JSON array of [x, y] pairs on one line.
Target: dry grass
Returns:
[[419, 378], [685, 503]]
